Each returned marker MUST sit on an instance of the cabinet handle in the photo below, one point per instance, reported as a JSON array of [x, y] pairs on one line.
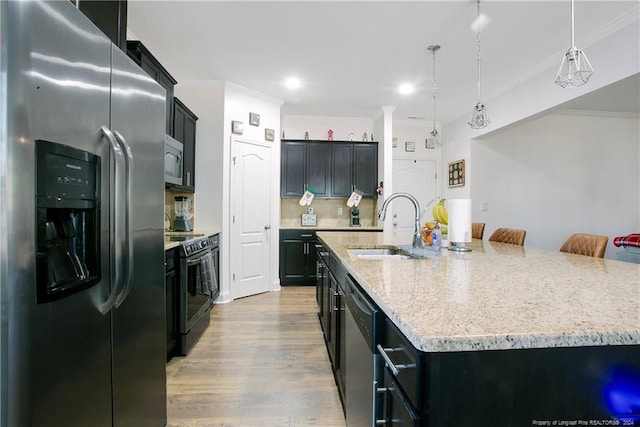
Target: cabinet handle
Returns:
[[395, 369], [306, 235], [188, 178]]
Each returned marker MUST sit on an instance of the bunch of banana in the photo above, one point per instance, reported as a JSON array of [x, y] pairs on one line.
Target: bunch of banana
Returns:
[[440, 213]]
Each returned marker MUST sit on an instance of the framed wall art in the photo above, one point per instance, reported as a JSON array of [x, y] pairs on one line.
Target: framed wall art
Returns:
[[269, 134], [409, 146], [237, 127], [456, 173], [254, 119]]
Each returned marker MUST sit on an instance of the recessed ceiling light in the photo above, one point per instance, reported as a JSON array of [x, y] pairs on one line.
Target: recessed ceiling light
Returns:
[[292, 83], [405, 88]]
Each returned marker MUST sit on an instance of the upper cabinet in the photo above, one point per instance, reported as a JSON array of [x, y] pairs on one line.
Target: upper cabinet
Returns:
[[331, 168], [184, 130], [109, 16], [305, 164], [365, 168], [141, 55]]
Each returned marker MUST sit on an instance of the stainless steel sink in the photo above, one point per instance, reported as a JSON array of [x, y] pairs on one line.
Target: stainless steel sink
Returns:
[[378, 253], [393, 252]]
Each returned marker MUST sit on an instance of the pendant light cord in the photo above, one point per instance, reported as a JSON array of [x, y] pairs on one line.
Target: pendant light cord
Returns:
[[573, 43], [478, 46], [433, 51]]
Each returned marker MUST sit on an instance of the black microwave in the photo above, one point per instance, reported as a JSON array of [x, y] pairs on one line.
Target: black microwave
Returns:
[[173, 160]]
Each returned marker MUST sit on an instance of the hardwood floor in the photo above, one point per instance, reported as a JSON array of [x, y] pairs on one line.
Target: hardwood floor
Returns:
[[261, 362]]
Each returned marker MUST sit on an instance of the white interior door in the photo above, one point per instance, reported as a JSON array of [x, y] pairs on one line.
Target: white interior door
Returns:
[[250, 218], [418, 178]]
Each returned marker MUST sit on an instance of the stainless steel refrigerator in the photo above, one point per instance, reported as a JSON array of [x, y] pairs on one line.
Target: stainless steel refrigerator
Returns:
[[82, 336]]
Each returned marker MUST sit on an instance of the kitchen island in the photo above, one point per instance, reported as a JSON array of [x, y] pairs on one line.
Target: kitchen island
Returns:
[[509, 335]]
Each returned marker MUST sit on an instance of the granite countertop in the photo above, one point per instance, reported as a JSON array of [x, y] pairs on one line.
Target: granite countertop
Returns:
[[331, 228], [204, 232], [498, 296]]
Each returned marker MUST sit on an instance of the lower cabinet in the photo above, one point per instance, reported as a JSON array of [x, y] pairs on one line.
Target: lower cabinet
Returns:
[[171, 288], [298, 257], [402, 378]]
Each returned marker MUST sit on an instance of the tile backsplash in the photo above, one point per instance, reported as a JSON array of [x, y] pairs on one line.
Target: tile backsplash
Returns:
[[327, 212]]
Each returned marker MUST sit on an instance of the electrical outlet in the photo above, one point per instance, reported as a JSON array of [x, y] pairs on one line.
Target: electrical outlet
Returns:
[[339, 211], [484, 206]]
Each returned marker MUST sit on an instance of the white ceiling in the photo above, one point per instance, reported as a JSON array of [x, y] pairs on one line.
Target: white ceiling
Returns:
[[351, 56]]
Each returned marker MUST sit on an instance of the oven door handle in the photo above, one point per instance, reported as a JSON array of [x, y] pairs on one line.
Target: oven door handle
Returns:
[[198, 260]]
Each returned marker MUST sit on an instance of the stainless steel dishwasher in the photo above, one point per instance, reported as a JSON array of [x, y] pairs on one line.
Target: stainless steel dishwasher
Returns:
[[363, 325]]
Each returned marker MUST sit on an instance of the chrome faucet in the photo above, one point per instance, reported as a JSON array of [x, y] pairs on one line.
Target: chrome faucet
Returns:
[[417, 236]]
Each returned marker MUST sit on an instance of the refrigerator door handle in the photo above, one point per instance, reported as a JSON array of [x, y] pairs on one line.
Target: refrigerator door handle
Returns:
[[116, 282], [128, 232]]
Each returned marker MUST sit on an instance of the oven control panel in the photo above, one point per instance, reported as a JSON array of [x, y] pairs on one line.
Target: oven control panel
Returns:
[[192, 247]]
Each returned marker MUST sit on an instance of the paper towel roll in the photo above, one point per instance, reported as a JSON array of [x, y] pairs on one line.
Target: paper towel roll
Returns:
[[459, 211]]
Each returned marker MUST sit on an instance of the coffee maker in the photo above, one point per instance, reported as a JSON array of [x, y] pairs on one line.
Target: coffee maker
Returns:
[[182, 206], [67, 220], [355, 217]]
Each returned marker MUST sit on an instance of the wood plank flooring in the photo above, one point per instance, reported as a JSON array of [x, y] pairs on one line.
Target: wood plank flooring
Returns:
[[261, 362]]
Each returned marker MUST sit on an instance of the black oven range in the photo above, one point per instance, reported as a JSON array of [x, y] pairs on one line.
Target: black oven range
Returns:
[[198, 286]]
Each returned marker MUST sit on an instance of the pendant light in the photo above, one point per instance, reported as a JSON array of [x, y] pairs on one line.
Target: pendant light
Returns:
[[479, 118], [433, 139], [575, 69]]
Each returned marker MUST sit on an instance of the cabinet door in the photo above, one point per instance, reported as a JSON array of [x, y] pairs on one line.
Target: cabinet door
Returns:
[[365, 174], [292, 262], [318, 162], [342, 170], [310, 260], [292, 173], [171, 288], [184, 130], [109, 16]]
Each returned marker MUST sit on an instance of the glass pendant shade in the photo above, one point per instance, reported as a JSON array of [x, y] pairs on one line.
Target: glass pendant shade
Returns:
[[433, 139], [575, 69], [479, 118]]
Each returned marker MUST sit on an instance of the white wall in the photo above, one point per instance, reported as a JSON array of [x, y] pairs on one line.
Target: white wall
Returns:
[[558, 175], [206, 100], [294, 127], [216, 104], [614, 56]]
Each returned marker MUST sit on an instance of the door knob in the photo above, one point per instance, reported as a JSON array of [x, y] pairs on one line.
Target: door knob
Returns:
[[395, 224], [267, 227]]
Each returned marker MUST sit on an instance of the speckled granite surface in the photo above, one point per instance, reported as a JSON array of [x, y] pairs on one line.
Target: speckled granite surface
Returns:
[[170, 245], [498, 296]]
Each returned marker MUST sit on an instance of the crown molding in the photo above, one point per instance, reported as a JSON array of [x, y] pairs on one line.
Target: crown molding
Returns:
[[594, 113]]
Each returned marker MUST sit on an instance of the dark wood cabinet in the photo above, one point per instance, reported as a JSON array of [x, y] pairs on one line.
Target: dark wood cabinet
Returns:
[[109, 16], [171, 299], [297, 257], [184, 130], [331, 168], [305, 164], [141, 55], [292, 176], [365, 168], [341, 170], [318, 168]]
